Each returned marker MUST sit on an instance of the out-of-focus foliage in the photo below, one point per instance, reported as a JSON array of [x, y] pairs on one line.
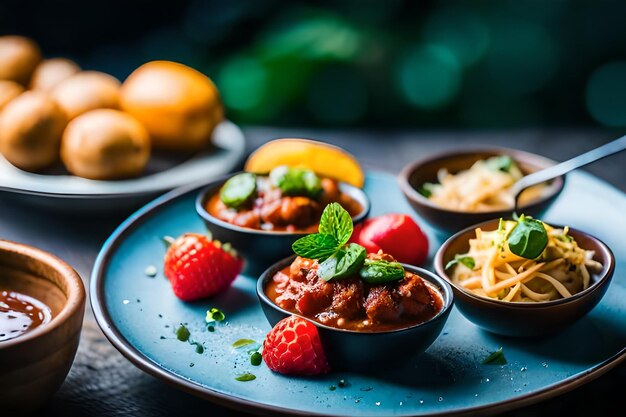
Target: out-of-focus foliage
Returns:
[[394, 63]]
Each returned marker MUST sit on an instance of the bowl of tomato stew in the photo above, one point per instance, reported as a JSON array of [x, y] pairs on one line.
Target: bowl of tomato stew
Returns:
[[361, 325], [262, 221]]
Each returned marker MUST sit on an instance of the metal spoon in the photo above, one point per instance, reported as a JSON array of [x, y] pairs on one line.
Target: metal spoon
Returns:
[[544, 175]]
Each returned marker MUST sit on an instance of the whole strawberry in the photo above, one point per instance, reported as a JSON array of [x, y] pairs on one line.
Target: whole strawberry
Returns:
[[198, 267], [293, 347]]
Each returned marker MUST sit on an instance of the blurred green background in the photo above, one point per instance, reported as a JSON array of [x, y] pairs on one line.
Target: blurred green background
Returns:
[[392, 63]]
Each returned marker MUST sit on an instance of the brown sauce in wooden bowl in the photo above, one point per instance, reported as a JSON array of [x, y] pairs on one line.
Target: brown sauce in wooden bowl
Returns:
[[20, 313]]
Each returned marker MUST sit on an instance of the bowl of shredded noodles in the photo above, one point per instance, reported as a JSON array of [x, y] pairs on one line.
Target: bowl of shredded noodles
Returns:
[[525, 277], [456, 189]]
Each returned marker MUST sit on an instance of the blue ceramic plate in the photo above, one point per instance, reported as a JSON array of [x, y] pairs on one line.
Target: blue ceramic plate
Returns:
[[139, 314]]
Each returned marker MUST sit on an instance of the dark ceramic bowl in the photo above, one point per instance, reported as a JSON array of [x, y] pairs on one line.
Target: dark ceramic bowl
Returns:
[[527, 319], [261, 248], [425, 170], [353, 350]]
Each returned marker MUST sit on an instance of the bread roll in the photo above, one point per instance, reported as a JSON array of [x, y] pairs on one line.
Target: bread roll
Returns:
[[87, 90], [18, 58], [50, 72], [179, 106], [8, 91], [30, 131], [104, 145]]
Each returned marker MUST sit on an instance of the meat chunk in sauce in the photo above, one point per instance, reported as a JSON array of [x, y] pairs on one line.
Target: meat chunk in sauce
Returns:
[[351, 303], [382, 305], [297, 211], [348, 297]]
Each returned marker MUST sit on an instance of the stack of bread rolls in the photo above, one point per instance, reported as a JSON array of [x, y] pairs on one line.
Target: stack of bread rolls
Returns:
[[99, 128]]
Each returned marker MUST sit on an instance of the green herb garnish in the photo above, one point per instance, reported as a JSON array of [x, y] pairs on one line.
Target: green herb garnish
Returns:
[[256, 358], [328, 246], [468, 261], [336, 222], [214, 315], [495, 358], [315, 246], [528, 238], [238, 190], [426, 189], [296, 181], [182, 333], [242, 342], [502, 163], [199, 347], [245, 377], [381, 271], [343, 263]]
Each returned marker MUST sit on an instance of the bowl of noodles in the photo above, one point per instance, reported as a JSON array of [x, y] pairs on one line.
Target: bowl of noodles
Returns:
[[455, 189], [524, 277]]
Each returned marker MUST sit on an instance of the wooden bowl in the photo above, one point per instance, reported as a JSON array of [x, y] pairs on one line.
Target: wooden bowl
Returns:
[[425, 170], [526, 319], [34, 365]]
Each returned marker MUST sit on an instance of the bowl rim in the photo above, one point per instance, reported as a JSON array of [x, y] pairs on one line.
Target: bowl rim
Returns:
[[602, 280], [208, 191], [75, 296], [444, 288], [516, 154]]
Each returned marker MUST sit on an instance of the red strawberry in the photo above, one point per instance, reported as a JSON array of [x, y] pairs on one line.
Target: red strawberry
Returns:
[[198, 267], [396, 234], [293, 347]]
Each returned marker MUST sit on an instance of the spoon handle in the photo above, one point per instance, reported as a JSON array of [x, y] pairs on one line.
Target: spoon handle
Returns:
[[593, 155]]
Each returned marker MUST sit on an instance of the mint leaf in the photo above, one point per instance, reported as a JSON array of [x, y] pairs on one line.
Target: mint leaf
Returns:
[[242, 342], [296, 181], [528, 238], [238, 190], [343, 263], [502, 163], [495, 358], [245, 377], [426, 189], [315, 246], [381, 272], [336, 221], [468, 261]]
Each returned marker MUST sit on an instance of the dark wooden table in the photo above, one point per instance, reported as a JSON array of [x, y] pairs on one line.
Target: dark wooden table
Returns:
[[103, 383]]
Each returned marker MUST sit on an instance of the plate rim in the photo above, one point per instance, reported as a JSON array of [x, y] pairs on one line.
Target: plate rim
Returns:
[[144, 363], [144, 192]]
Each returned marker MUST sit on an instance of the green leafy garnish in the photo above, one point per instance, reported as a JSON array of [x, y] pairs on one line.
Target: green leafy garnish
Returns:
[[528, 238], [238, 190], [296, 181], [381, 271], [335, 229], [468, 261], [182, 333], [495, 358], [343, 263], [214, 315], [199, 347], [242, 342], [315, 246], [336, 222], [426, 189], [245, 377], [502, 163], [256, 358]]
